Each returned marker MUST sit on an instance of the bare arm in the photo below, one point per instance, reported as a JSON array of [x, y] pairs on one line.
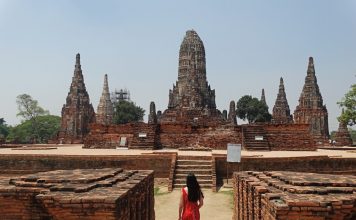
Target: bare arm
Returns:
[[181, 204], [201, 201]]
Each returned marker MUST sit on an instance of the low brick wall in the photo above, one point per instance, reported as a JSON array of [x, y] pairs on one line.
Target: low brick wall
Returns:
[[315, 164], [79, 194], [292, 195], [160, 163], [102, 136]]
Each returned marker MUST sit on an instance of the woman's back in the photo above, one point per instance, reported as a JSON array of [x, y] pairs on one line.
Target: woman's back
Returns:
[[191, 199], [190, 209]]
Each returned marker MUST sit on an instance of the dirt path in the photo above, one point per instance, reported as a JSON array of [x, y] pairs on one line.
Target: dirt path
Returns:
[[217, 206]]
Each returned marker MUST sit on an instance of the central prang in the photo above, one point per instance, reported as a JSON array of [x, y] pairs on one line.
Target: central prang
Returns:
[[191, 97]]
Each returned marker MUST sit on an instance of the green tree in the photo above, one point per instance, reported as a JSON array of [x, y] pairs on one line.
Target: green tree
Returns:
[[47, 128], [29, 110], [4, 129], [126, 111], [353, 134], [349, 104], [252, 109]]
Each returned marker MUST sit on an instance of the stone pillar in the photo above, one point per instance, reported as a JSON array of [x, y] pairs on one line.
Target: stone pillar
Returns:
[[152, 117], [224, 114], [232, 113]]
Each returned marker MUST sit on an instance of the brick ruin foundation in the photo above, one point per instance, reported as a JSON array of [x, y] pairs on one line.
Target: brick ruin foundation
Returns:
[[292, 195], [211, 136], [79, 194]]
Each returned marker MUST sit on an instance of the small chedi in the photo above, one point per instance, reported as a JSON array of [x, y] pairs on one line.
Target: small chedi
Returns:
[[310, 109], [110, 193], [77, 112], [342, 135], [191, 97], [263, 97], [105, 109], [292, 195], [281, 113]]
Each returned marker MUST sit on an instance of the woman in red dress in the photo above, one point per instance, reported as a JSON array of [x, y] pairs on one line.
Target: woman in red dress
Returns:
[[191, 200]]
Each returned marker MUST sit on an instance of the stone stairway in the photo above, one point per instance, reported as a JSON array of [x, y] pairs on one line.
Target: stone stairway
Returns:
[[201, 167], [250, 133]]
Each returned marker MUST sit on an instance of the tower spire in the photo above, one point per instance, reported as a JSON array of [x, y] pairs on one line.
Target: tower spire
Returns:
[[263, 97], [281, 112], [77, 112], [105, 109], [310, 109]]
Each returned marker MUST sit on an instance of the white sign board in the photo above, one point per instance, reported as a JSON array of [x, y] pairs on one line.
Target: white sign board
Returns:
[[258, 138], [234, 153], [122, 141], [142, 135]]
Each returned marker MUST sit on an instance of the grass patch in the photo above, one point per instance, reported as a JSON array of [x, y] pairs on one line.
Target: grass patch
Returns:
[[158, 192], [230, 195]]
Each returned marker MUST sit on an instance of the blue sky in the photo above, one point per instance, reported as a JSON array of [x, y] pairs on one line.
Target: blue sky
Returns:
[[249, 46]]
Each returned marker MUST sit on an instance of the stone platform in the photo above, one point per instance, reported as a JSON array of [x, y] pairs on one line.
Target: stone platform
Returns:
[[79, 194], [293, 195]]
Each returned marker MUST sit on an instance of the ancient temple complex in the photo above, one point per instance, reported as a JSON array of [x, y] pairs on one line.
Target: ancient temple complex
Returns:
[[281, 113], [105, 109], [191, 97], [310, 109], [192, 120], [77, 112]]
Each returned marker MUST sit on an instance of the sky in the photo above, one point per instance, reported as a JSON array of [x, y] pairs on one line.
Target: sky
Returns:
[[249, 45]]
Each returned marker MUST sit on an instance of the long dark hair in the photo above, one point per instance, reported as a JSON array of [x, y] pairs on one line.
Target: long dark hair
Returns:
[[194, 191]]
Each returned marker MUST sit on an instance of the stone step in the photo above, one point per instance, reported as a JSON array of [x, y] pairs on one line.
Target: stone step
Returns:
[[198, 176], [181, 185], [203, 162], [183, 181], [196, 172], [194, 167]]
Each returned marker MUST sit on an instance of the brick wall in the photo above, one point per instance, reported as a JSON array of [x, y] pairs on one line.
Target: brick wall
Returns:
[[292, 195], [160, 163], [315, 164], [289, 137], [182, 135], [102, 136], [79, 194], [187, 135]]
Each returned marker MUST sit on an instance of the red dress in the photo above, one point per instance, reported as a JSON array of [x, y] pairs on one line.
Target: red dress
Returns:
[[190, 209]]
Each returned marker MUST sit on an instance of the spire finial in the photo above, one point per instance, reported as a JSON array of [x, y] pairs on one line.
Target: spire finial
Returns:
[[77, 59], [311, 60]]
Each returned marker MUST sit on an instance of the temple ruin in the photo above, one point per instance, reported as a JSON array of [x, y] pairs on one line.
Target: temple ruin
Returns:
[[191, 97], [105, 111], [281, 113], [310, 109], [77, 112], [110, 193], [342, 135], [193, 122]]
